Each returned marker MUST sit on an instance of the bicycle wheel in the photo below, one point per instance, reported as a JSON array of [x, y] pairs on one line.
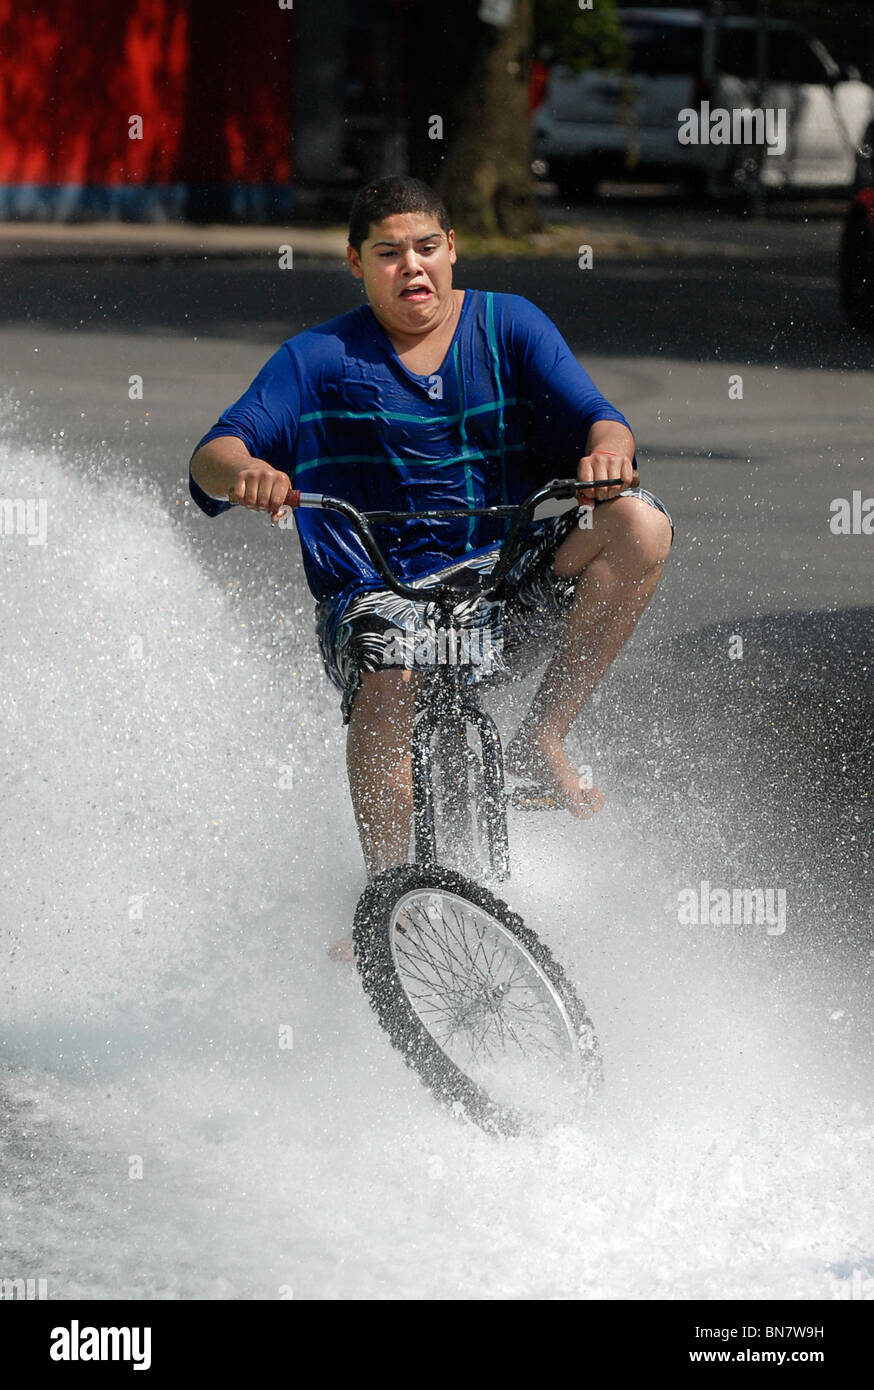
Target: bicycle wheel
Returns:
[[472, 998]]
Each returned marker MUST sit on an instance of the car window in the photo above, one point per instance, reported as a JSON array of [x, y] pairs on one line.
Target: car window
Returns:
[[737, 53], [658, 50], [791, 57]]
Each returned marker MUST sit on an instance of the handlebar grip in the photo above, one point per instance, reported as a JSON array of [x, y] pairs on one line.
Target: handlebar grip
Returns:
[[635, 481], [292, 500]]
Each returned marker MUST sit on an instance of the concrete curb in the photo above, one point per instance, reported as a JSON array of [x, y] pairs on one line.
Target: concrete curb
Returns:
[[150, 241], [39, 241]]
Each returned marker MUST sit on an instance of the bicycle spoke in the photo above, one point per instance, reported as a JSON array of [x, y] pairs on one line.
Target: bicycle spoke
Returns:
[[476, 989]]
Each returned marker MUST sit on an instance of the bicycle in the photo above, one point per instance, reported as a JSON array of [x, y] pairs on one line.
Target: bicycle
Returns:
[[475, 1002]]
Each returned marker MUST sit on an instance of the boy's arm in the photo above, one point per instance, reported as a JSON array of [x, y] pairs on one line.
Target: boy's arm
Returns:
[[225, 469], [231, 462], [577, 426]]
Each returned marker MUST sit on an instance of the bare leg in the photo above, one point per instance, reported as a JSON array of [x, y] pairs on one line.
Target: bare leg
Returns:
[[380, 777], [378, 764], [619, 561]]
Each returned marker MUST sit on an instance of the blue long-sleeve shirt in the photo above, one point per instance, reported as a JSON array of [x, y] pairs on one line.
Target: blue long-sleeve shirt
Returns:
[[337, 410]]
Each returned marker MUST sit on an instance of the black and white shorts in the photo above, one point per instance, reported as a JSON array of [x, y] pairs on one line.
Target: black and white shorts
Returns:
[[488, 638]]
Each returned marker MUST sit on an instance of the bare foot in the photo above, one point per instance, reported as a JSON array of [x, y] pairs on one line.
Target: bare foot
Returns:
[[342, 951], [546, 764]]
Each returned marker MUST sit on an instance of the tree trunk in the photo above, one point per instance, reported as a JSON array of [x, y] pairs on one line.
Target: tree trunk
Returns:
[[486, 181]]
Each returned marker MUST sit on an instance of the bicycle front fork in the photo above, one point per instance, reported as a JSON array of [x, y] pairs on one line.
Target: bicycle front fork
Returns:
[[454, 716]]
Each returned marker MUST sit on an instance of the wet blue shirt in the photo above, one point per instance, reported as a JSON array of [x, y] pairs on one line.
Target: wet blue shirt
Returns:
[[336, 409]]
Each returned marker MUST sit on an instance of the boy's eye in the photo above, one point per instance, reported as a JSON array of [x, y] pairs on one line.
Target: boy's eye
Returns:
[[426, 250]]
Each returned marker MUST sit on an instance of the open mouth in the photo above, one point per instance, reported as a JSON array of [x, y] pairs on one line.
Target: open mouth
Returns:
[[416, 292]]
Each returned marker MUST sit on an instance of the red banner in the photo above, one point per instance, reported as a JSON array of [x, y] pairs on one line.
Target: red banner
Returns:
[[145, 92]]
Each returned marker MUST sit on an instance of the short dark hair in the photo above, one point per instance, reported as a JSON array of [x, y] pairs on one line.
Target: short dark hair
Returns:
[[385, 197]]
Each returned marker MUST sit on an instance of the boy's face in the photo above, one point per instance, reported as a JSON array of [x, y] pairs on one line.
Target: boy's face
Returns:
[[406, 265]]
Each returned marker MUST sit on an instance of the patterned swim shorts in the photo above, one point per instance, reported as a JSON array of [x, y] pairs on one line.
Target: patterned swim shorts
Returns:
[[489, 638]]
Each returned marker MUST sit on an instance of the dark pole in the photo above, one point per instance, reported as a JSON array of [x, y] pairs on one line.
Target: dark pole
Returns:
[[757, 199], [710, 49]]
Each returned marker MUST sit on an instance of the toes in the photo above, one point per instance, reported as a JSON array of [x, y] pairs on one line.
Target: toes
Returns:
[[584, 805]]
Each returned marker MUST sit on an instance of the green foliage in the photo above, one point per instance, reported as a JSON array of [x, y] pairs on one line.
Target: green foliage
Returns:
[[564, 33]]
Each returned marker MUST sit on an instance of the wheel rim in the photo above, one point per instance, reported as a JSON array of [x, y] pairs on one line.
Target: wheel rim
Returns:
[[484, 999]]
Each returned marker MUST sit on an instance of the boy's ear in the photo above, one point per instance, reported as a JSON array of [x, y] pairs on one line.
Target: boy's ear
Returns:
[[353, 260]]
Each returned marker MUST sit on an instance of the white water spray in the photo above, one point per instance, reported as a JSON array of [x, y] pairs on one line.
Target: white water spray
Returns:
[[196, 1102]]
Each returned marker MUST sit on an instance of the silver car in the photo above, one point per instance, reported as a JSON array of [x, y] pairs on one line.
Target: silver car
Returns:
[[691, 82]]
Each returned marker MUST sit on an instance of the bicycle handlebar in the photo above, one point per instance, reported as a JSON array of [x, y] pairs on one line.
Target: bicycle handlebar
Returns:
[[486, 586]]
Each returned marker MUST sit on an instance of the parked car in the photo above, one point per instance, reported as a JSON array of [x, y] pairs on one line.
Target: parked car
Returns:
[[856, 266], [596, 124]]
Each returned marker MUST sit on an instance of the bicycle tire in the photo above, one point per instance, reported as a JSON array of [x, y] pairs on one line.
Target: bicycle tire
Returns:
[[376, 931]]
